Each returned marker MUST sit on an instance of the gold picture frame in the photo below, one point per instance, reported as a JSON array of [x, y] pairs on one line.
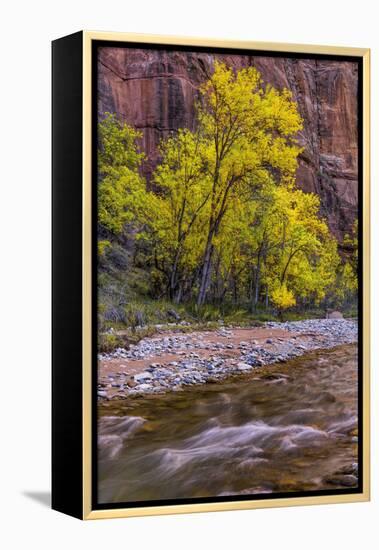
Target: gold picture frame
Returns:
[[84, 509]]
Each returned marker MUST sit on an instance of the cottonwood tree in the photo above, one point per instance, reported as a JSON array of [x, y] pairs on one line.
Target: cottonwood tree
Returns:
[[303, 257], [250, 131], [121, 191], [183, 191], [350, 265]]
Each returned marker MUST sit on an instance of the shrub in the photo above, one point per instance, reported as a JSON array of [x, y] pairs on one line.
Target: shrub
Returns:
[[109, 342]]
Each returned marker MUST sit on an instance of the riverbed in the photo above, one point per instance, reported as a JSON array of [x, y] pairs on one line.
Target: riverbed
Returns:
[[282, 428]]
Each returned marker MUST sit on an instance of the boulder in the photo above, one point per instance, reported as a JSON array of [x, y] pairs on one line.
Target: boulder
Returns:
[[334, 315], [172, 313]]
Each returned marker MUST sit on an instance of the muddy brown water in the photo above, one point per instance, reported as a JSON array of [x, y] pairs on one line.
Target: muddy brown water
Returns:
[[283, 428]]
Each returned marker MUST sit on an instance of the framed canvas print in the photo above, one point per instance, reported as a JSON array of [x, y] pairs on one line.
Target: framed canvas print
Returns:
[[210, 275]]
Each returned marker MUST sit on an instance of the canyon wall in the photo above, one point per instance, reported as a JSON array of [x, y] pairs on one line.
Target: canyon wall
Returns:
[[155, 90]]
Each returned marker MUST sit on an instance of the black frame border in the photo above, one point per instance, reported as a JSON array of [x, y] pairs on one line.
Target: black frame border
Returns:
[[67, 257]]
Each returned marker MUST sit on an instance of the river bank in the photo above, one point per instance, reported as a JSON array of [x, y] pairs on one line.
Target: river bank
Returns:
[[173, 361]]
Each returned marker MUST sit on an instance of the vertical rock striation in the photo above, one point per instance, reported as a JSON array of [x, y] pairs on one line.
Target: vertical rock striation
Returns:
[[155, 91]]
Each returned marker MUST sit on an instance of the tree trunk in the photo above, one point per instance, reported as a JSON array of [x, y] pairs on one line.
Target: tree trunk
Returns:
[[173, 276], [235, 290], [251, 289], [257, 285], [205, 273], [178, 296]]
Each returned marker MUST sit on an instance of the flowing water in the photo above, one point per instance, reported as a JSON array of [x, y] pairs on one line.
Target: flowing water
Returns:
[[284, 428]]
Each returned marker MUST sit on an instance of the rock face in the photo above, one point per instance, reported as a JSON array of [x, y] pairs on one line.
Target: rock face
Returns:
[[155, 91]]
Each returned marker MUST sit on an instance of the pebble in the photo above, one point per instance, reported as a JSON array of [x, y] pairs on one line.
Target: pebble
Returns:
[[141, 377], [244, 367], [145, 387], [347, 480]]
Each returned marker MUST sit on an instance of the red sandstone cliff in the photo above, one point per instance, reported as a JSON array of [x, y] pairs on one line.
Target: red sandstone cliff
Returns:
[[154, 90]]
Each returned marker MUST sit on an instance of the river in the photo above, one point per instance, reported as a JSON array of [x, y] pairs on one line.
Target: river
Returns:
[[284, 428]]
